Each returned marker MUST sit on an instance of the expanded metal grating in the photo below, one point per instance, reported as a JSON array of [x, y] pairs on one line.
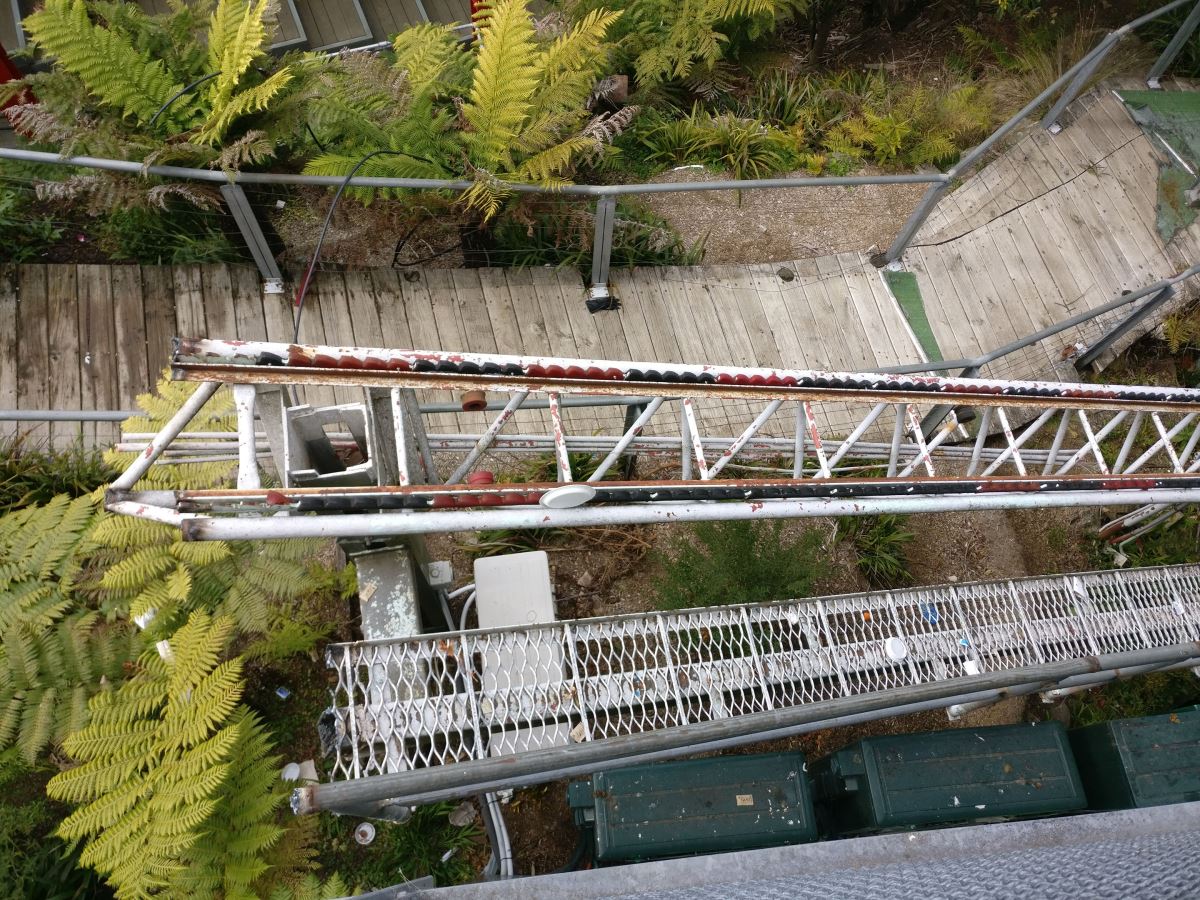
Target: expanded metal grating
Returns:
[[447, 698]]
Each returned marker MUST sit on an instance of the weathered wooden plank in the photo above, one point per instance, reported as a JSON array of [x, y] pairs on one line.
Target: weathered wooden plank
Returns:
[[678, 297], [738, 285], [364, 313], [33, 349], [98, 341], [610, 325], [217, 282], [1057, 255], [472, 311], [62, 311], [633, 317], [866, 307], [248, 317], [1016, 247], [158, 296], [643, 302], [189, 302], [8, 345], [790, 323], [445, 310], [543, 286], [133, 375], [845, 317], [390, 311]]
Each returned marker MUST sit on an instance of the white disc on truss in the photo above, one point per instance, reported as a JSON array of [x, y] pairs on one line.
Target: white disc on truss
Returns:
[[568, 496]]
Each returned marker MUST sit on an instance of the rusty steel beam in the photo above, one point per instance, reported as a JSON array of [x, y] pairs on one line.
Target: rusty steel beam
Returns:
[[261, 362]]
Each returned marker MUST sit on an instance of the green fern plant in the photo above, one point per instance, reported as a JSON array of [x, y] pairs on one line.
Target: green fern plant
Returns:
[[124, 82], [175, 789], [513, 108], [48, 675]]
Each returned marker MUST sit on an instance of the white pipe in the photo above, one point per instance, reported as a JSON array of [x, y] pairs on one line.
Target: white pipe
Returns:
[[169, 432], [145, 511], [397, 523]]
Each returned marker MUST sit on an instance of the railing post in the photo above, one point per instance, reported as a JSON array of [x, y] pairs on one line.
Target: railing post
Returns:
[[252, 234], [602, 241], [1078, 83], [933, 195], [1182, 36], [1105, 341]]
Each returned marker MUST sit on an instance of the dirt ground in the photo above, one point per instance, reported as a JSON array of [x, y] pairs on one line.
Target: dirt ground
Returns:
[[784, 224]]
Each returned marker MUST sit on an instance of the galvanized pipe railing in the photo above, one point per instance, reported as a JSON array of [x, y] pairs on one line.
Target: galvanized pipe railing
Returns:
[[1075, 79]]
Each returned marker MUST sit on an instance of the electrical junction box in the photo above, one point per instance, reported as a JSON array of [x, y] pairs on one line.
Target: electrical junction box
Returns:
[[696, 806], [947, 777], [512, 591], [1150, 761]]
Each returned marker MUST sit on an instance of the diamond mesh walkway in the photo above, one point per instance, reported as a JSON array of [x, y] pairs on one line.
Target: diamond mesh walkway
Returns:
[[442, 699]]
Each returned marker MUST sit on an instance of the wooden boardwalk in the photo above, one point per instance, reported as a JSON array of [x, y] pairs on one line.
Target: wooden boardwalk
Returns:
[[1058, 224]]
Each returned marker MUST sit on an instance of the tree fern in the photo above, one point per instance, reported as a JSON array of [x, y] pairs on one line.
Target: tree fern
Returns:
[[175, 790], [106, 61], [39, 549], [47, 677]]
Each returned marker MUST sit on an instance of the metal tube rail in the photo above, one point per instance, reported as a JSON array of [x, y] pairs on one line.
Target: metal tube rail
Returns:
[[387, 524], [435, 184], [549, 764]]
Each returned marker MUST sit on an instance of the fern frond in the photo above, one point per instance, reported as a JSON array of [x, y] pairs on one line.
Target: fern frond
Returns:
[[505, 78]]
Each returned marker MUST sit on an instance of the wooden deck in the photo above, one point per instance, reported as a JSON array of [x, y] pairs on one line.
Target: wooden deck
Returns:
[[1057, 225], [94, 337]]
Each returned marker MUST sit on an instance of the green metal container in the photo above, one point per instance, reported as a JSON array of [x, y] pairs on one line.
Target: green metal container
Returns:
[[947, 777], [696, 806], [1149, 761]]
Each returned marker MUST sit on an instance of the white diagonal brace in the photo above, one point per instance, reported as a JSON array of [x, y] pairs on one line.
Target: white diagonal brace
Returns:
[[626, 439], [485, 440], [741, 440], [857, 433], [693, 433], [561, 455], [815, 436], [1092, 442], [1167, 437], [1014, 447], [1166, 440]]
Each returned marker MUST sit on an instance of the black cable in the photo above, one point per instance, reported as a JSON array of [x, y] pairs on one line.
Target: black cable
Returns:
[[312, 265], [180, 93], [582, 851], [316, 140]]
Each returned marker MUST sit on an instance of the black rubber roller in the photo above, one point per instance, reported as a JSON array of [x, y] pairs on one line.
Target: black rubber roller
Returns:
[[513, 369], [423, 365]]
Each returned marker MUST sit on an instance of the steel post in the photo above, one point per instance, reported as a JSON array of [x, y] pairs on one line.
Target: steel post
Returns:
[[1078, 83], [933, 196], [1089, 356], [1182, 36], [602, 241], [252, 234]]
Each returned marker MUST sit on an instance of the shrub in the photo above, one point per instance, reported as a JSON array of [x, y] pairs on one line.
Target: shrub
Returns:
[[879, 542], [33, 862], [25, 234], [716, 563], [561, 234], [31, 476]]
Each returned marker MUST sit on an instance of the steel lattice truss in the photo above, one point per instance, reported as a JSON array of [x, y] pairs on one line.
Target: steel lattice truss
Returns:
[[832, 443], [442, 699]]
